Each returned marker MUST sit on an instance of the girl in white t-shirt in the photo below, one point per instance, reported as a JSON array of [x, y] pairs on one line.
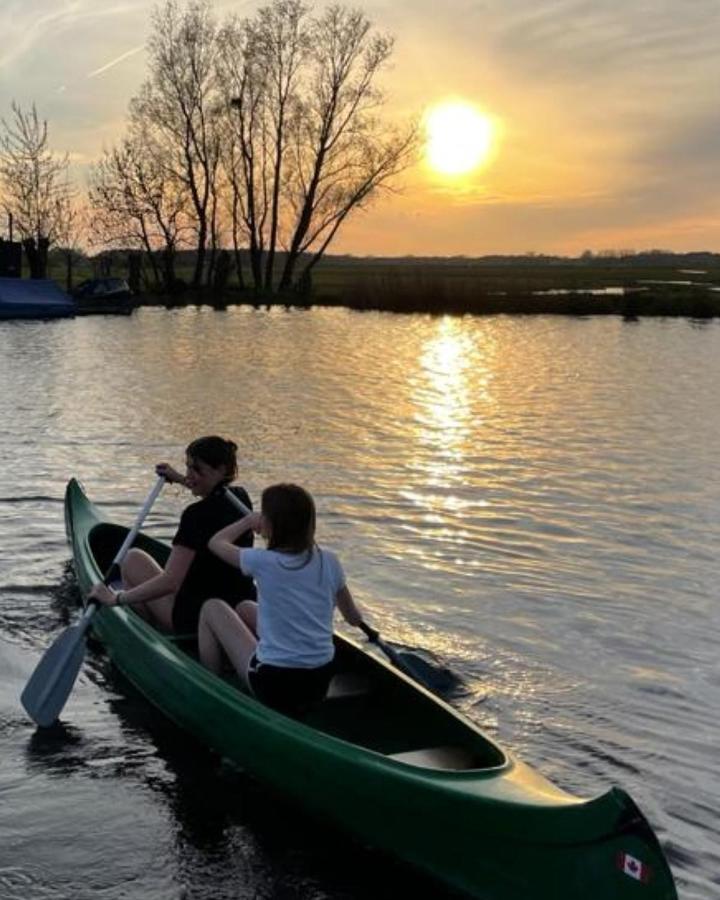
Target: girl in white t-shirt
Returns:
[[282, 646]]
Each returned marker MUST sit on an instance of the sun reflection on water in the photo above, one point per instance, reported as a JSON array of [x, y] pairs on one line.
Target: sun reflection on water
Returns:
[[452, 395], [444, 364]]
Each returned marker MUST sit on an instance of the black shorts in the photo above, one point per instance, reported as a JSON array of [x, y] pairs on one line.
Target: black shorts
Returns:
[[291, 691]]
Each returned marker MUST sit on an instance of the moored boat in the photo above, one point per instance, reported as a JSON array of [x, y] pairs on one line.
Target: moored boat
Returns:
[[33, 298], [388, 761]]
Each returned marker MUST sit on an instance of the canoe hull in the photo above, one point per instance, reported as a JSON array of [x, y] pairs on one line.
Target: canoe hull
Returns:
[[502, 832]]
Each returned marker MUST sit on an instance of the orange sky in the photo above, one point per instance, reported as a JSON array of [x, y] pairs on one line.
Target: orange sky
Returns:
[[609, 126]]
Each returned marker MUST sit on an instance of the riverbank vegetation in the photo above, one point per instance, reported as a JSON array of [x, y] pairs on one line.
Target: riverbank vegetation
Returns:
[[652, 284]]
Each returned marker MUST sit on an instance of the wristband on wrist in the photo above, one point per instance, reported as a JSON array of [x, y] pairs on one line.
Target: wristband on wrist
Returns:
[[118, 595]]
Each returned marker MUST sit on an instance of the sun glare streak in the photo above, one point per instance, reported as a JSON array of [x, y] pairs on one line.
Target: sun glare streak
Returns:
[[445, 362], [453, 376], [459, 138]]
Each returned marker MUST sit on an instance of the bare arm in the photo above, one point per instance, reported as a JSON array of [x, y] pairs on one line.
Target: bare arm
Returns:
[[348, 607], [167, 582], [222, 544]]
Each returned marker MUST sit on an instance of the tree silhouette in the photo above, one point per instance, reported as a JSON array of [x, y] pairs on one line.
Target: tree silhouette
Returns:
[[35, 186]]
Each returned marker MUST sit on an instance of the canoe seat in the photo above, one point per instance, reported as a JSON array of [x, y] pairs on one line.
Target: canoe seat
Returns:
[[348, 684], [447, 757]]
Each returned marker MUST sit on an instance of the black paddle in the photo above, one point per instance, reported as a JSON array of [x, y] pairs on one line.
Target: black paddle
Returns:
[[50, 684], [432, 675]]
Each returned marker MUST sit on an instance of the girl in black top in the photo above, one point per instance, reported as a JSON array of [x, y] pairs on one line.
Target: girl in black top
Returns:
[[171, 597]]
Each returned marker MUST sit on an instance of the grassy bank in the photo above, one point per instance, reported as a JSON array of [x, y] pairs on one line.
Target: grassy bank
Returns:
[[476, 287], [520, 288]]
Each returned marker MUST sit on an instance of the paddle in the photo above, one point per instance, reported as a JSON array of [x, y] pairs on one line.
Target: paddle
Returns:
[[50, 684], [237, 502], [432, 675]]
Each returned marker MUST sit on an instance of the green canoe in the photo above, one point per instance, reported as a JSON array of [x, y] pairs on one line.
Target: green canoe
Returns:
[[388, 762]]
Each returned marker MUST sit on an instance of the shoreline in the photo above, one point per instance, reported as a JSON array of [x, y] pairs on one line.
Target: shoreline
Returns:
[[635, 302], [463, 287]]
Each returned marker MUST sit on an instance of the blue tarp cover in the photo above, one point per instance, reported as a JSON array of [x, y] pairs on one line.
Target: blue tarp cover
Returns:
[[26, 298]]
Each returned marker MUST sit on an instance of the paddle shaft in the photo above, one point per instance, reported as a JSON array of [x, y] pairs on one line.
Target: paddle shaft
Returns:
[[237, 502], [436, 678], [374, 637], [371, 633], [114, 569]]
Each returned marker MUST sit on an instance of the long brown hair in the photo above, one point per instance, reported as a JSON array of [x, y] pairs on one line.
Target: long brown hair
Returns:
[[290, 513]]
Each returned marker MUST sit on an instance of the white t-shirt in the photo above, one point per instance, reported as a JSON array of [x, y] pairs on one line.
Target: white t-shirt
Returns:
[[295, 605]]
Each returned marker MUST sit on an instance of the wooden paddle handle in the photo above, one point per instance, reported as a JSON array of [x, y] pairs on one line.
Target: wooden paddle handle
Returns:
[[114, 571]]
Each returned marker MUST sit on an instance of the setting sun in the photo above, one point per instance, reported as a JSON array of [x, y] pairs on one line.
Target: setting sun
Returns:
[[459, 138]]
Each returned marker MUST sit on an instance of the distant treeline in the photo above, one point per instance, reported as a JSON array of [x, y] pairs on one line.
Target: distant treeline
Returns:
[[651, 284], [603, 259], [186, 260]]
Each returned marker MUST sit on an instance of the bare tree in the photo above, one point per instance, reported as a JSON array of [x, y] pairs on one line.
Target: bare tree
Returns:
[[281, 38], [268, 127], [242, 80], [373, 168], [342, 153], [70, 235], [119, 216], [232, 195], [311, 145], [175, 107], [136, 206], [35, 184]]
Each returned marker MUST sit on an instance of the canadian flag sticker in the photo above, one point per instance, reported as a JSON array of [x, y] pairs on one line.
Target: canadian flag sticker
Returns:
[[633, 867]]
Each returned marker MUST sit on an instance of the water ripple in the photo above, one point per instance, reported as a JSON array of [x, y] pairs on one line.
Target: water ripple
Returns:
[[535, 500]]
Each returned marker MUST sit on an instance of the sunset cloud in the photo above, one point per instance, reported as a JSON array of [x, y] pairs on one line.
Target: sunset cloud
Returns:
[[27, 24]]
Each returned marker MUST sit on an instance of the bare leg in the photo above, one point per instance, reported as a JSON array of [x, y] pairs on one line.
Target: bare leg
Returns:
[[138, 567], [248, 610], [221, 630]]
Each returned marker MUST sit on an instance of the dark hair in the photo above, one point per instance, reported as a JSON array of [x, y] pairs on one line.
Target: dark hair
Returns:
[[216, 452], [290, 511]]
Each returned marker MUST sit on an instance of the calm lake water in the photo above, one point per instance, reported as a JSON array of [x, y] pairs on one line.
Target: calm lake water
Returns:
[[536, 499]]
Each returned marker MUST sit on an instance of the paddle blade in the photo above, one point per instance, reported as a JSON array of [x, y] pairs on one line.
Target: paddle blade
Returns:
[[431, 675], [50, 684], [435, 677]]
